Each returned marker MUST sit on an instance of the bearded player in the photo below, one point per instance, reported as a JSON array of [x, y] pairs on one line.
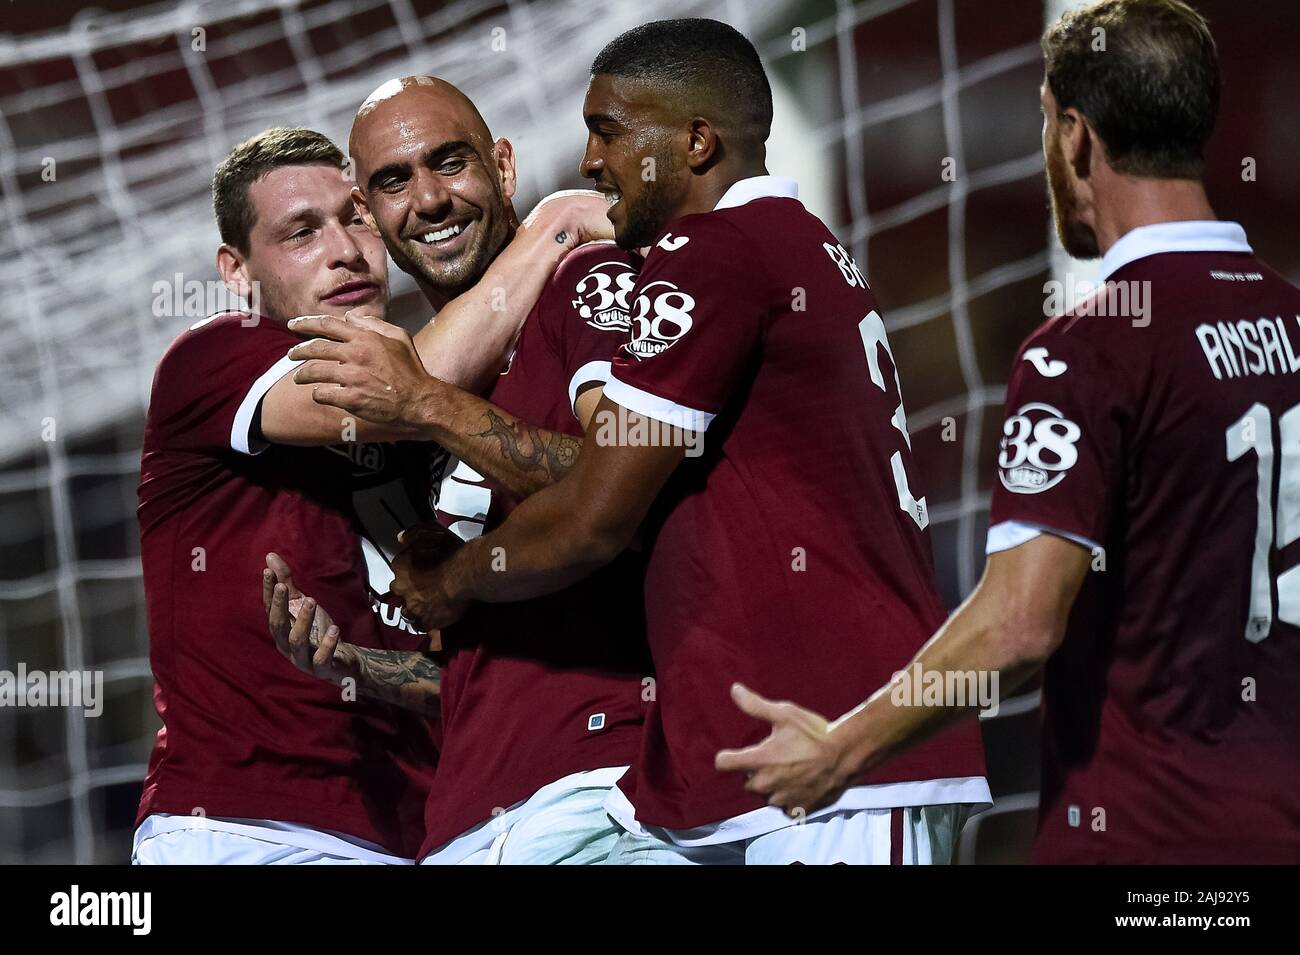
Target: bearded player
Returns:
[[541, 700], [238, 460], [1159, 449], [793, 550]]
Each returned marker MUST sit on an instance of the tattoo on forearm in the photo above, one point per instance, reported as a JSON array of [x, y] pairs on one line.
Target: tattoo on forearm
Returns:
[[527, 448], [405, 677]]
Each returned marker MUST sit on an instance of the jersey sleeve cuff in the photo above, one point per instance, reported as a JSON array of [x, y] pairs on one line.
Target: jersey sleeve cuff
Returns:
[[1008, 534], [660, 409], [592, 373], [241, 439]]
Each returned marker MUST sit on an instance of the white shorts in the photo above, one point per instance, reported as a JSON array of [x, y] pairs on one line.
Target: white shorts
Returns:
[[165, 839], [563, 823], [914, 835]]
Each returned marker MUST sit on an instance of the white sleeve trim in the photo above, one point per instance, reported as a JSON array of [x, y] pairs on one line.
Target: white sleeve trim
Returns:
[[244, 414], [592, 373], [652, 406], [1009, 534]]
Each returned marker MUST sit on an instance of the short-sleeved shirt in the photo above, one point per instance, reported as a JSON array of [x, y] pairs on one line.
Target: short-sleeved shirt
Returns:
[[1158, 424], [245, 734], [790, 554], [541, 689]]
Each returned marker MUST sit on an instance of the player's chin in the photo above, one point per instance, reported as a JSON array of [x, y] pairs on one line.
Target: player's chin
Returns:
[[453, 271], [630, 239], [1081, 243], [631, 232], [617, 216]]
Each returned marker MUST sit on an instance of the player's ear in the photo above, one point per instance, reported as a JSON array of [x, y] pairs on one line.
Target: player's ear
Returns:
[[504, 153], [1078, 141], [363, 209], [232, 266], [701, 142]]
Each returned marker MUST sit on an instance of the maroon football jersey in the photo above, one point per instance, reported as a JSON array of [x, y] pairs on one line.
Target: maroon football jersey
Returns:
[[244, 733], [792, 553], [1170, 437], [536, 690]]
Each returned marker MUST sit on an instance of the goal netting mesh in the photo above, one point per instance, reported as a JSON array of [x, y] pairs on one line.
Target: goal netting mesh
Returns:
[[912, 126]]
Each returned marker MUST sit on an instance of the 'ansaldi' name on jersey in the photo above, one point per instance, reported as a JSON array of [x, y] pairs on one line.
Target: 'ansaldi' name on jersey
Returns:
[[1259, 347]]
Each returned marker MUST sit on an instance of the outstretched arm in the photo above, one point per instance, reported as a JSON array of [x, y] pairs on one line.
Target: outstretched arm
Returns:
[[1010, 625]]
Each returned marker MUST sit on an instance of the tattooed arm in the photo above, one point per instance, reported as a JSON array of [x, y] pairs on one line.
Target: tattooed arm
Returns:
[[306, 636], [372, 370], [406, 678], [513, 456]]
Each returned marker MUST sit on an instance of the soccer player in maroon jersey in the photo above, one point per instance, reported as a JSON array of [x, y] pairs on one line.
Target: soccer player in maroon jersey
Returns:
[[1146, 514], [541, 700], [238, 460], [791, 551]]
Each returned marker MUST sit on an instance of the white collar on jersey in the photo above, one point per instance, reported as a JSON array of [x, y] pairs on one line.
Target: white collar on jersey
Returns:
[[1193, 236], [758, 187]]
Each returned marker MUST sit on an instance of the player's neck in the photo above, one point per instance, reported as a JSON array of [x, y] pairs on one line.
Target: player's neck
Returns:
[[1130, 203], [710, 189]]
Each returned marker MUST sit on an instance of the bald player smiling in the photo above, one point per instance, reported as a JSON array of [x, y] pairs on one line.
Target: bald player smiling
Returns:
[[542, 700], [239, 460]]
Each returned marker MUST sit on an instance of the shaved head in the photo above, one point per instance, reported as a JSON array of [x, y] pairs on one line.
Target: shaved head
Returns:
[[396, 100], [432, 182], [696, 67]]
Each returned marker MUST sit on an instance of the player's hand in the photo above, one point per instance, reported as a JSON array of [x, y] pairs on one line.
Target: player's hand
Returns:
[[303, 631], [365, 366], [580, 215], [419, 577], [799, 767]]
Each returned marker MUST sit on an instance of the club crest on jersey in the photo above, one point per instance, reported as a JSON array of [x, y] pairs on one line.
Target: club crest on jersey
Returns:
[[661, 316], [603, 295], [1037, 449]]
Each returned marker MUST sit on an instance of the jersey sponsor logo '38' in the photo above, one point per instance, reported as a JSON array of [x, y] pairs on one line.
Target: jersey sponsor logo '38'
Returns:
[[602, 295], [661, 316], [1037, 449]]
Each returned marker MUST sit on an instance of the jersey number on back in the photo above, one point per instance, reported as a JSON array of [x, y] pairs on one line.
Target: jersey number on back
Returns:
[[1254, 431], [872, 329]]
